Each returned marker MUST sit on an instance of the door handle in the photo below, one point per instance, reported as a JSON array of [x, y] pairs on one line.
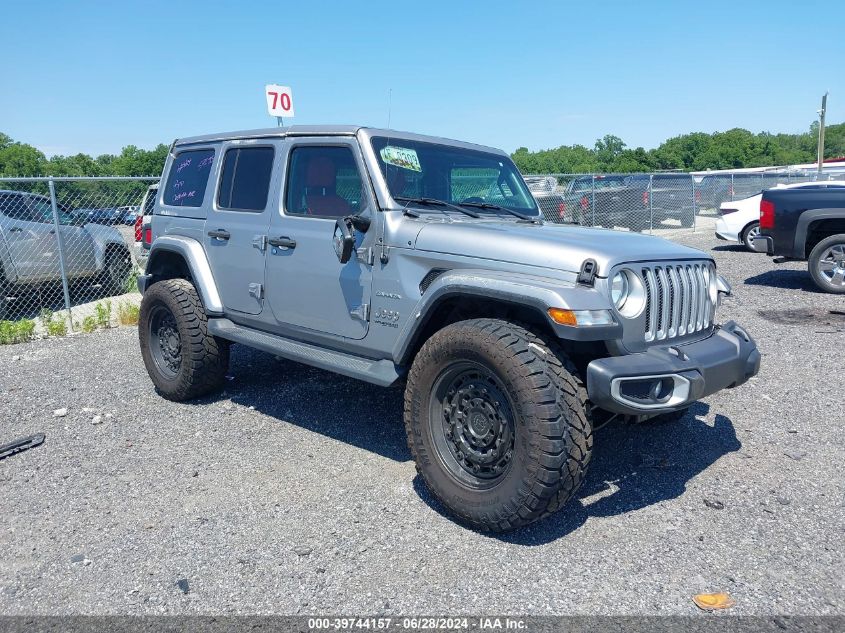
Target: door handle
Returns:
[[16, 229], [220, 234], [282, 242]]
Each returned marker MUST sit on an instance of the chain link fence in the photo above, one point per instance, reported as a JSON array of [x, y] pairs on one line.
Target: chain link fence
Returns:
[[70, 250], [69, 255], [658, 202]]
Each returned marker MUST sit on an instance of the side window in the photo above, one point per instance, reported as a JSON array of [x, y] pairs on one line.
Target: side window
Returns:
[[245, 180], [149, 201], [43, 212], [15, 207], [188, 178], [323, 182]]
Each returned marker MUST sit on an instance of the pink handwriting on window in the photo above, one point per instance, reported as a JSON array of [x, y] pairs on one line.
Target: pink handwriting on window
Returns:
[[178, 184], [205, 162], [183, 164]]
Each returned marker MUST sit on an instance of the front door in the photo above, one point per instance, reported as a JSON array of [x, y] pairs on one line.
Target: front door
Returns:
[[77, 243], [307, 286], [30, 243], [236, 225]]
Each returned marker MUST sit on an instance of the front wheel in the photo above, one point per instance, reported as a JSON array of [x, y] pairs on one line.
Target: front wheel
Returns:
[[748, 235], [496, 421], [827, 264], [118, 267], [183, 360]]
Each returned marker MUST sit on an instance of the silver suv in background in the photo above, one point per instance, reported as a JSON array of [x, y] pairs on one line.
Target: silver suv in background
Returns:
[[394, 257], [29, 248]]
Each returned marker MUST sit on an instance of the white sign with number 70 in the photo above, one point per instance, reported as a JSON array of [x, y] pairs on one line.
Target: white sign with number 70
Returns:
[[279, 100]]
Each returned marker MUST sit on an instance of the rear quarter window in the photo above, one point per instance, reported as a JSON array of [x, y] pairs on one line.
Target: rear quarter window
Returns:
[[188, 178]]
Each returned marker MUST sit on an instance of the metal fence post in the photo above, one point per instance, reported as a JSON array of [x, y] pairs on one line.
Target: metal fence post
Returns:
[[693, 202], [733, 191], [61, 247], [650, 205], [593, 199]]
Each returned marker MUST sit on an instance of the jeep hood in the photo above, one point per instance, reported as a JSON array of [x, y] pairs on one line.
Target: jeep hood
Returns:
[[556, 246]]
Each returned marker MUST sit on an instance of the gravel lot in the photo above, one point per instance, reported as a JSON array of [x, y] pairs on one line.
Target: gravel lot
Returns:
[[293, 492]]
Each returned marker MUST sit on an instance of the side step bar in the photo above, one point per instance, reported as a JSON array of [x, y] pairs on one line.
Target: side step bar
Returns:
[[379, 372]]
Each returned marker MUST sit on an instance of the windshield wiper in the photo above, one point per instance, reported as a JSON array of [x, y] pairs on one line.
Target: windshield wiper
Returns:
[[496, 207], [434, 202]]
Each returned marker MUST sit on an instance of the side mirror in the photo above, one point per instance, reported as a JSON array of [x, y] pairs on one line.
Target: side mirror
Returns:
[[343, 239]]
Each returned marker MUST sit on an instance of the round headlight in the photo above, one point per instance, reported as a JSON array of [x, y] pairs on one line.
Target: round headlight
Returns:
[[627, 293], [619, 289]]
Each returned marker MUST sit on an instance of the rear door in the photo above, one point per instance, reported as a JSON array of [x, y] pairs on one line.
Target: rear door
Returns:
[[307, 287], [236, 225]]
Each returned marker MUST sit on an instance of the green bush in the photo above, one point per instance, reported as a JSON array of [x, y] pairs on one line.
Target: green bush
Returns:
[[89, 324], [54, 326], [103, 310], [131, 284], [16, 331], [127, 313]]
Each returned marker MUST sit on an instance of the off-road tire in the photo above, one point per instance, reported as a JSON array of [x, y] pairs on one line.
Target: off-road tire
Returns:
[[203, 359], [748, 234], [552, 434], [814, 264], [116, 270]]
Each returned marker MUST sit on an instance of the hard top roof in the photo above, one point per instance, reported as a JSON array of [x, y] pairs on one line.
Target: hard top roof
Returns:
[[324, 130]]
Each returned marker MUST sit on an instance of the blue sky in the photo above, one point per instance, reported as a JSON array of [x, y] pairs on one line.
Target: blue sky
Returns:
[[95, 76]]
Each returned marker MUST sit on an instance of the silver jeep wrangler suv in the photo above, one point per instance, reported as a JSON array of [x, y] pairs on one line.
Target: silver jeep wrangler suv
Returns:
[[389, 256]]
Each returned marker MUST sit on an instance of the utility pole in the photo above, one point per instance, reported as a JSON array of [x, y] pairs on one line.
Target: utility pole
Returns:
[[821, 136]]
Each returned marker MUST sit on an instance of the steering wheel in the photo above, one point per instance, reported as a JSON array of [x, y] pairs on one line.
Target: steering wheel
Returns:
[[474, 199]]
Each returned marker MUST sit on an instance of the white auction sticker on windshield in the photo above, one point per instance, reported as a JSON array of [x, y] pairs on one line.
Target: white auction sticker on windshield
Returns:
[[401, 157]]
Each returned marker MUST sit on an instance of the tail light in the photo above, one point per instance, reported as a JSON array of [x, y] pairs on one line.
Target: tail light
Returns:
[[585, 203], [139, 222], [561, 209], [698, 195], [645, 198], [148, 236], [767, 214], [731, 190]]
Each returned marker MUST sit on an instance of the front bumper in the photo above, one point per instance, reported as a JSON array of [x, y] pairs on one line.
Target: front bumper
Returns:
[[681, 374]]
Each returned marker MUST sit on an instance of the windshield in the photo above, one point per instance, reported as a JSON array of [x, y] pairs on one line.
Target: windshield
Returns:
[[417, 169]]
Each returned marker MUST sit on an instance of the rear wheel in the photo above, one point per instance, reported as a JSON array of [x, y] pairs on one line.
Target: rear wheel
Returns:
[[183, 360], [748, 234], [827, 264], [497, 423]]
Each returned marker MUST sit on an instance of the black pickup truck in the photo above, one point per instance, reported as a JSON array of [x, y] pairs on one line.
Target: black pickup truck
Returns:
[[807, 224]]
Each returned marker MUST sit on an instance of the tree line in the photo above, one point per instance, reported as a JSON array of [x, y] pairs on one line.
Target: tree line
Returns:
[[697, 151]]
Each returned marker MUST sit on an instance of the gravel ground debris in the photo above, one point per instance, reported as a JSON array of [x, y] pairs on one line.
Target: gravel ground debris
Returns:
[[293, 491]]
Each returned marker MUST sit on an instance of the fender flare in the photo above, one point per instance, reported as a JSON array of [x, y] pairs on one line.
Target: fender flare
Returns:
[[194, 255], [539, 293], [804, 220]]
